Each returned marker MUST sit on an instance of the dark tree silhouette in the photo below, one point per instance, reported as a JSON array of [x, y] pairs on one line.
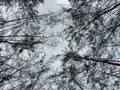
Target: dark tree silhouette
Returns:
[[90, 62], [94, 43]]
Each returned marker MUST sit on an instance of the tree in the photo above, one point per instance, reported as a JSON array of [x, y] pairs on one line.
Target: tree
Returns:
[[90, 62], [94, 43], [21, 63]]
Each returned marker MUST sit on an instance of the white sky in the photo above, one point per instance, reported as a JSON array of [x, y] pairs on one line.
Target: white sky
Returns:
[[65, 2], [54, 5]]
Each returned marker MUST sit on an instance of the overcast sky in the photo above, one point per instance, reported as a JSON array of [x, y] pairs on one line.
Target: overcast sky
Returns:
[[54, 5]]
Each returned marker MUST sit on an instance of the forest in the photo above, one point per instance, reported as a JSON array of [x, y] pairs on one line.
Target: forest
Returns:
[[70, 48]]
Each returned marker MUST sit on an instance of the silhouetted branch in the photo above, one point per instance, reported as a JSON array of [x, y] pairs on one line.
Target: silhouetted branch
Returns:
[[102, 60]]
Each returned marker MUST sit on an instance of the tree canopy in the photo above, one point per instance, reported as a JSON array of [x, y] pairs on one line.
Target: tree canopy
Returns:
[[89, 32]]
